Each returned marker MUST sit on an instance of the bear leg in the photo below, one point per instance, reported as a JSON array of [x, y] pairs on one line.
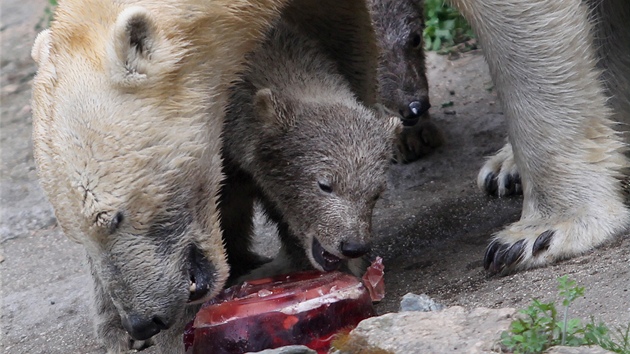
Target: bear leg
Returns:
[[543, 61]]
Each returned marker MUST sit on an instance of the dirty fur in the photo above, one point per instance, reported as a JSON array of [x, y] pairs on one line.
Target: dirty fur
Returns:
[[297, 139], [127, 114], [398, 25], [562, 71]]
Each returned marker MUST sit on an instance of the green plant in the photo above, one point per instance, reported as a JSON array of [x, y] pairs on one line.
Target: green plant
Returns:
[[569, 291], [617, 341], [540, 328], [444, 26]]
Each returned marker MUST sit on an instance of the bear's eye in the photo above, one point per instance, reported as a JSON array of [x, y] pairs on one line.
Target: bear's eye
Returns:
[[324, 186], [416, 40]]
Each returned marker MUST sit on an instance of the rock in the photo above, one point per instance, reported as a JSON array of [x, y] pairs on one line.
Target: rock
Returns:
[[452, 330], [577, 350], [423, 303], [290, 349]]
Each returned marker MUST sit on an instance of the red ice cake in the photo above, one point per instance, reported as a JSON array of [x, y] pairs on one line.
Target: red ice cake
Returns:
[[306, 308]]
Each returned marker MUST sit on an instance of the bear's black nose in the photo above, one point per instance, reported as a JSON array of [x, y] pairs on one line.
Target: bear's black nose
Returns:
[[354, 249], [412, 112], [141, 328]]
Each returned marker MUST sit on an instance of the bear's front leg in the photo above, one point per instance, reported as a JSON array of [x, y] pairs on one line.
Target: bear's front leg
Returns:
[[543, 62]]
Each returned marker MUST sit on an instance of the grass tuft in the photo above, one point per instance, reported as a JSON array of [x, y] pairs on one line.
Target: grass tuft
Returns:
[[539, 327]]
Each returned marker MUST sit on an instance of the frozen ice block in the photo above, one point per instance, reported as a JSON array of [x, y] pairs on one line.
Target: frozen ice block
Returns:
[[306, 308]]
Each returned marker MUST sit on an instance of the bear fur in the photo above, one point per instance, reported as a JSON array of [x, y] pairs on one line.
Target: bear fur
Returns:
[[297, 140], [403, 89], [127, 107], [562, 72]]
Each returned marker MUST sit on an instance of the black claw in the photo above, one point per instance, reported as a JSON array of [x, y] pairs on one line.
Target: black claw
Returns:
[[518, 189], [515, 253], [518, 184], [491, 184], [517, 178], [489, 256], [499, 259], [509, 185], [542, 242], [513, 185]]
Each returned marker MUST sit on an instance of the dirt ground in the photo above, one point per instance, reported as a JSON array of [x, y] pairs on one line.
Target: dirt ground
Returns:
[[433, 224]]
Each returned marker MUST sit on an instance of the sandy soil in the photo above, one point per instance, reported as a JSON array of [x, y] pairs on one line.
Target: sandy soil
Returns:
[[433, 224]]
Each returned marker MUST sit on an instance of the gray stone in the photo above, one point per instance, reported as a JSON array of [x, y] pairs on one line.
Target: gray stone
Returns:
[[452, 330], [290, 349], [423, 303]]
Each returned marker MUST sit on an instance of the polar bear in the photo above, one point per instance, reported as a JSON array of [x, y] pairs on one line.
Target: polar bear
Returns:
[[127, 105]]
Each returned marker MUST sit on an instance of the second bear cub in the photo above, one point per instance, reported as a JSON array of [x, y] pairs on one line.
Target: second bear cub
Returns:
[[297, 139]]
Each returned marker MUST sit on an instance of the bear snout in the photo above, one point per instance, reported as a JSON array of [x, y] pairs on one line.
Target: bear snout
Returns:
[[414, 110], [144, 327], [352, 249]]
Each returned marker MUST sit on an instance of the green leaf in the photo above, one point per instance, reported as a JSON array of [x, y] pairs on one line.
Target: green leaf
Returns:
[[448, 25], [437, 44], [517, 326]]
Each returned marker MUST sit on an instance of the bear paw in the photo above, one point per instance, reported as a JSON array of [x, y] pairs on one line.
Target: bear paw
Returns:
[[537, 243], [417, 141], [499, 175]]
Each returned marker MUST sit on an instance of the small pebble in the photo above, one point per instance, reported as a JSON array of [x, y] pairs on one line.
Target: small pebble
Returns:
[[422, 303]]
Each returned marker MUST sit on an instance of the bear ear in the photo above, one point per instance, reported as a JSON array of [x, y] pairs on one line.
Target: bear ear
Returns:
[[109, 221], [272, 110], [134, 42], [41, 47]]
